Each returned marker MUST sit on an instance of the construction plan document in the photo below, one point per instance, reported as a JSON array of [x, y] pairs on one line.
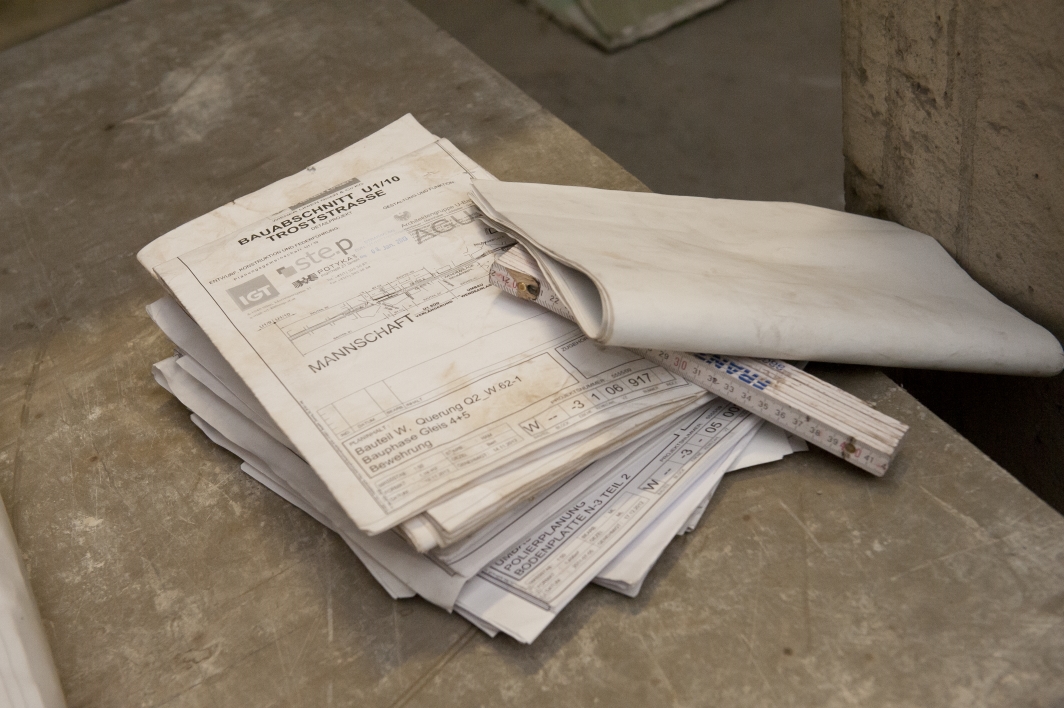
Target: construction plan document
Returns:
[[558, 559], [363, 322], [523, 589]]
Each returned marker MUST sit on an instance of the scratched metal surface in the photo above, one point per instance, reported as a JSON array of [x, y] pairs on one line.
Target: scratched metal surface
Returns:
[[166, 577]]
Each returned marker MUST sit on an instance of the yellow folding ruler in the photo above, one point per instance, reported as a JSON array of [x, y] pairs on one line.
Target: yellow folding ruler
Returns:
[[779, 392]]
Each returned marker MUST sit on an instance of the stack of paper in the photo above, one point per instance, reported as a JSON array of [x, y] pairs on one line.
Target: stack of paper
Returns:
[[337, 332]]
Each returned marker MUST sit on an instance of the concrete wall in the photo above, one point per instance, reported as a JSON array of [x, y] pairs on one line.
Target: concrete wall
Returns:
[[953, 124]]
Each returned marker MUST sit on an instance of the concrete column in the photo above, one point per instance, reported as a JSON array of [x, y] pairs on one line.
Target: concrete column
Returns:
[[953, 124]]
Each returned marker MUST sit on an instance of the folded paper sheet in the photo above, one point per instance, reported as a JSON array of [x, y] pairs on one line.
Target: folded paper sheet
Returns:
[[763, 279]]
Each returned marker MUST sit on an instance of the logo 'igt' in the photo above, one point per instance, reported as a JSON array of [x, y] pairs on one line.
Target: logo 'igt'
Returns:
[[253, 292]]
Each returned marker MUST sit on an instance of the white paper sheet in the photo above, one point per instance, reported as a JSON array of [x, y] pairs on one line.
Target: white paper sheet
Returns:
[[457, 517], [474, 553], [763, 279], [523, 589]]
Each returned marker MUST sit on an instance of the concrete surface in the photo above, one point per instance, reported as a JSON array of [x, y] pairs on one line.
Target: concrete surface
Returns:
[[954, 126], [22, 19], [740, 102], [166, 577]]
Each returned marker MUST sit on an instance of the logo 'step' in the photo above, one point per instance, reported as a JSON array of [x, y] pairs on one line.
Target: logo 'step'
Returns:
[[253, 292]]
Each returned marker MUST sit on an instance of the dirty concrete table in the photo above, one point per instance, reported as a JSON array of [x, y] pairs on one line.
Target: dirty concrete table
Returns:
[[167, 577]]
